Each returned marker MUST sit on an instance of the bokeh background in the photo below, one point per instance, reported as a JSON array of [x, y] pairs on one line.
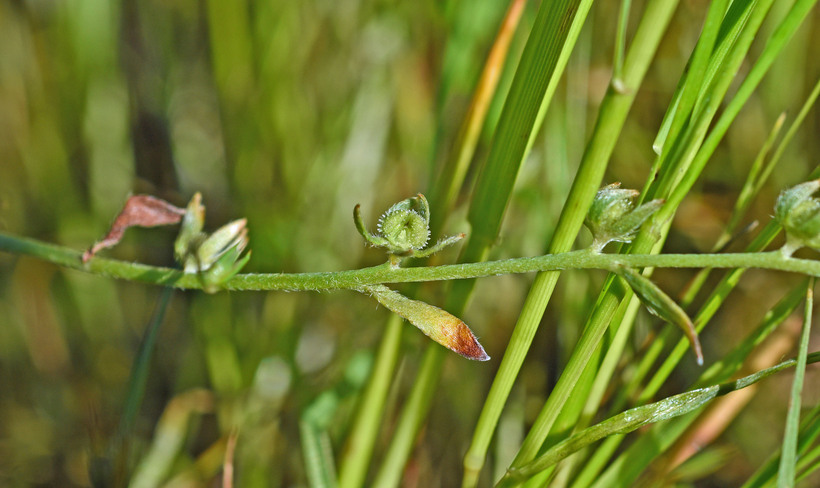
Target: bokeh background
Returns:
[[290, 113]]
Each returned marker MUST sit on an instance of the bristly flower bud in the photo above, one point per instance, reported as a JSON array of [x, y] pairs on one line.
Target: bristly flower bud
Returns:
[[406, 225], [404, 230], [614, 217], [799, 214]]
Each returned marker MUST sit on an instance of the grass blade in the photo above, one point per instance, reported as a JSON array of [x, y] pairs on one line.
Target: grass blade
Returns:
[[355, 458], [809, 432], [612, 115], [788, 458], [637, 417], [137, 383], [316, 449]]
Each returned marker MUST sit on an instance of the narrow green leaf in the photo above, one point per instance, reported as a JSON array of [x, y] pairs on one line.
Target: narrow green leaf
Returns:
[[444, 186], [317, 455], [622, 423], [661, 305], [637, 417], [137, 383]]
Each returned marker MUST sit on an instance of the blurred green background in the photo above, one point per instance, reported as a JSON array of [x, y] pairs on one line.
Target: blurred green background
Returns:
[[289, 114]]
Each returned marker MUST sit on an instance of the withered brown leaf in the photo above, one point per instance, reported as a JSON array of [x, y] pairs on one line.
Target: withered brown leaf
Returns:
[[139, 210]]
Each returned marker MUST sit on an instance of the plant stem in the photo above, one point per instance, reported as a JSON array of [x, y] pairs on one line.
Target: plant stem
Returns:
[[384, 273]]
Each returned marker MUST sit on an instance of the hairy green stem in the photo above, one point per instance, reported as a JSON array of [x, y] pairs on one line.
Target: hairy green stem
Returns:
[[385, 273]]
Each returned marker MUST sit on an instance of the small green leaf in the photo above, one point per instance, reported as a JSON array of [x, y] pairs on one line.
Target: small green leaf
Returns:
[[659, 303], [437, 324]]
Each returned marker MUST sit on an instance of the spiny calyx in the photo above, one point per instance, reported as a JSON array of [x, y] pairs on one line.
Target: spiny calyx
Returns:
[[404, 229]]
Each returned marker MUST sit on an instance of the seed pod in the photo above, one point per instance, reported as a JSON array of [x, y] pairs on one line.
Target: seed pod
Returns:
[[437, 324]]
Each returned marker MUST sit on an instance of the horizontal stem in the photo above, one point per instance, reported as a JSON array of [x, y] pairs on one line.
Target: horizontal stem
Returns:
[[385, 273]]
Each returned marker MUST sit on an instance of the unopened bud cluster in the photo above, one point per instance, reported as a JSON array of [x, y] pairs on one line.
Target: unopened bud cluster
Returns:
[[216, 257], [614, 216]]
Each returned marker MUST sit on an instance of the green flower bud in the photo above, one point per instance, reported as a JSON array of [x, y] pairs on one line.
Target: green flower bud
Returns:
[[226, 267], [614, 217], [404, 230], [799, 214], [406, 225], [228, 237], [216, 257]]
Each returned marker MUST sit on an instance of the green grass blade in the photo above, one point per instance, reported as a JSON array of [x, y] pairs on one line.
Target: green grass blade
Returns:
[[536, 69], [783, 32], [788, 458], [637, 417], [316, 449], [809, 432], [142, 364], [808, 463], [355, 459], [620, 41], [694, 77], [718, 372], [445, 185], [413, 415], [137, 383], [172, 431], [612, 115], [317, 455]]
